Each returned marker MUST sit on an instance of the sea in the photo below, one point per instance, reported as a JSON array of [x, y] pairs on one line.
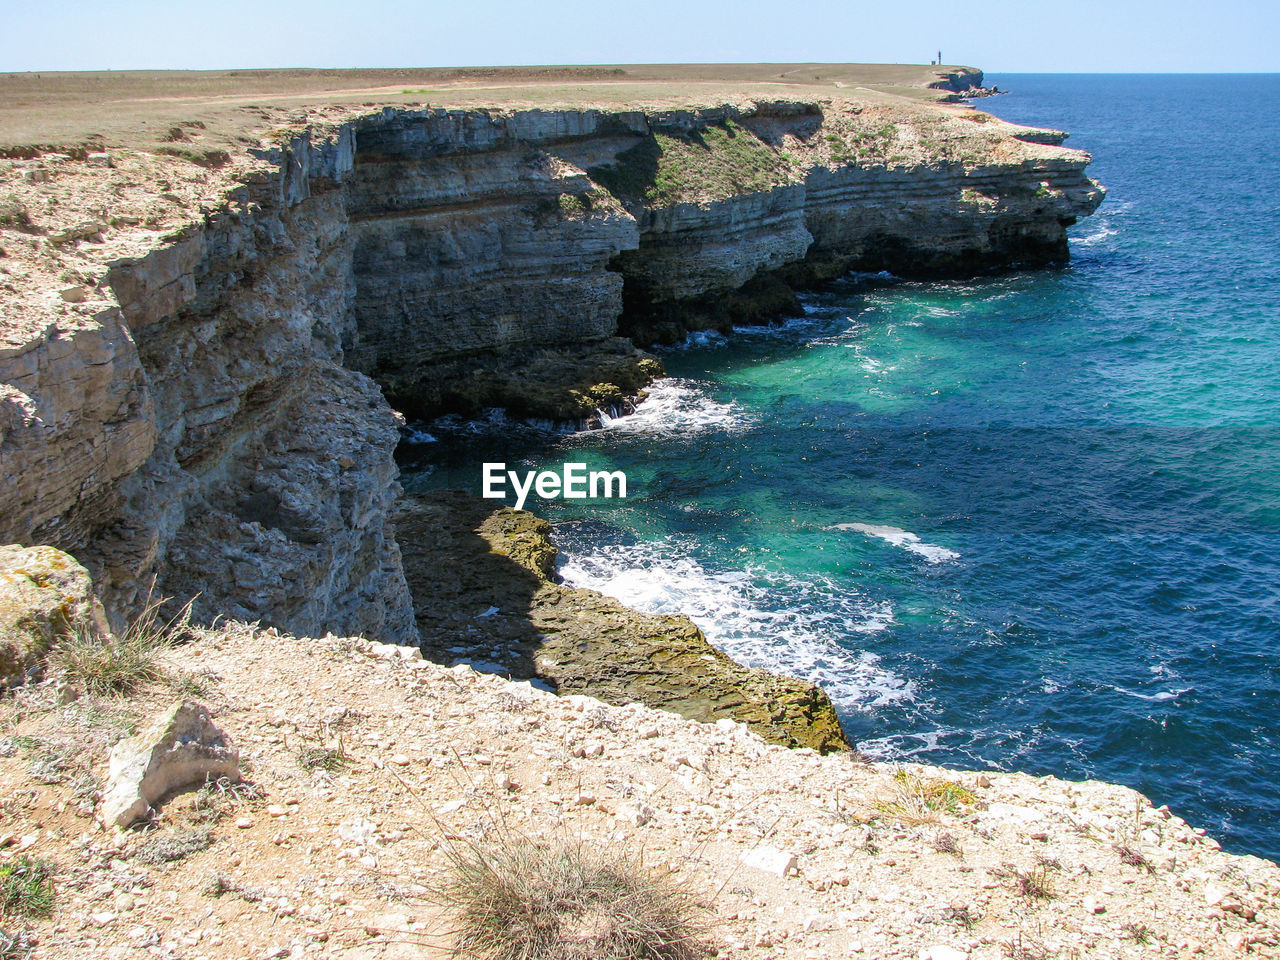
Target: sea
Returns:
[[1025, 522]]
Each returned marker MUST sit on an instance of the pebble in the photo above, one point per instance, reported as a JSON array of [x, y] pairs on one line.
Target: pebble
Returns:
[[400, 760], [276, 810], [243, 823]]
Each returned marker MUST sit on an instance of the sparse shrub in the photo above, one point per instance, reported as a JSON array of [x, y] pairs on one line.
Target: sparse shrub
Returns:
[[947, 843], [321, 758], [1137, 932], [13, 215], [218, 884], [962, 915], [918, 800], [26, 888], [219, 798], [1025, 948], [210, 159], [515, 900], [15, 946], [1133, 858], [174, 846], [120, 664], [1033, 884]]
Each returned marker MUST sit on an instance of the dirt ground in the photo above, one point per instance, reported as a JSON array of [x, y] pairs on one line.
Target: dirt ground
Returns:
[[142, 109], [365, 768]]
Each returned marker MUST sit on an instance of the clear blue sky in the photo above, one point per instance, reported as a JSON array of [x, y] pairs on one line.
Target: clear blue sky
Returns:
[[1000, 36]]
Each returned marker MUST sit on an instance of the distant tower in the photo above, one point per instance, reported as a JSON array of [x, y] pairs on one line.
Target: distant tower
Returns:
[[939, 58]]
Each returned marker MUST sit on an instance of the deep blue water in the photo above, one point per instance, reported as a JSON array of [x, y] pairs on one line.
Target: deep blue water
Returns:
[[1067, 483]]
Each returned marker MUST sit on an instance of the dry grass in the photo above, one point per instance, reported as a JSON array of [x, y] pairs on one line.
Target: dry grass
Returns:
[[513, 899], [917, 800], [26, 888], [15, 946], [118, 665]]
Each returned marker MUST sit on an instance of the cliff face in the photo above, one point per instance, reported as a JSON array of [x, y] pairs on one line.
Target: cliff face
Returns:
[[213, 418], [202, 438], [474, 245]]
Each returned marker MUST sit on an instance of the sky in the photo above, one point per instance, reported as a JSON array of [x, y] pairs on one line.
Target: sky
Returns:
[[999, 36]]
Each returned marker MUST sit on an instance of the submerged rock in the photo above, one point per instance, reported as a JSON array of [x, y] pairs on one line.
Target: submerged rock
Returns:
[[463, 558]]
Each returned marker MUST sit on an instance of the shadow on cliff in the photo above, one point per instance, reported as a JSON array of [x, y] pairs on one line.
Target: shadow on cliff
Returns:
[[473, 602]]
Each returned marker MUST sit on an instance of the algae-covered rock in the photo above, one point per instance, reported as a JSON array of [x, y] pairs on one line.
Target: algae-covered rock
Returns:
[[483, 593], [44, 594]]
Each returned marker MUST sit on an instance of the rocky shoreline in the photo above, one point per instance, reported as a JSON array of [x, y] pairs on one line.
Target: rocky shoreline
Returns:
[[486, 596]]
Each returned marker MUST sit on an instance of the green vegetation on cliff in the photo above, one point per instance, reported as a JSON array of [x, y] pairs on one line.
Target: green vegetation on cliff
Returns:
[[720, 160]]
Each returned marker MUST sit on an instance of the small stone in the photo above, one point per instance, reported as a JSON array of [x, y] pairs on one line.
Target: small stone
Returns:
[[98, 160], [181, 748], [276, 810], [243, 823], [635, 811], [102, 918], [942, 952], [1215, 894], [770, 860], [584, 799], [400, 760], [76, 294], [1092, 906]]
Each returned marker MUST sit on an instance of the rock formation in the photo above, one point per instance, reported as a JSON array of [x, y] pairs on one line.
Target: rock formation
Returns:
[[204, 413], [485, 596], [181, 748], [44, 595]]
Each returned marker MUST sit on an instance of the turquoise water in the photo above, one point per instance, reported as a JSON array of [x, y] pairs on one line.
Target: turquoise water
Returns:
[[1026, 522]]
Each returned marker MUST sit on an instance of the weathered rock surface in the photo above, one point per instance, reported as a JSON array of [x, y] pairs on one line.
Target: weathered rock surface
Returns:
[[482, 579], [44, 595], [181, 748]]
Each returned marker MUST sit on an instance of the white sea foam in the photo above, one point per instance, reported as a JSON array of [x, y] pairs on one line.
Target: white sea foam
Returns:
[[902, 538], [779, 622], [1158, 697], [675, 407], [415, 435], [1094, 236], [700, 338]]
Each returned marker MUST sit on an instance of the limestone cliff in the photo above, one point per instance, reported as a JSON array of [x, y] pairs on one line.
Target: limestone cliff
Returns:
[[205, 410]]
